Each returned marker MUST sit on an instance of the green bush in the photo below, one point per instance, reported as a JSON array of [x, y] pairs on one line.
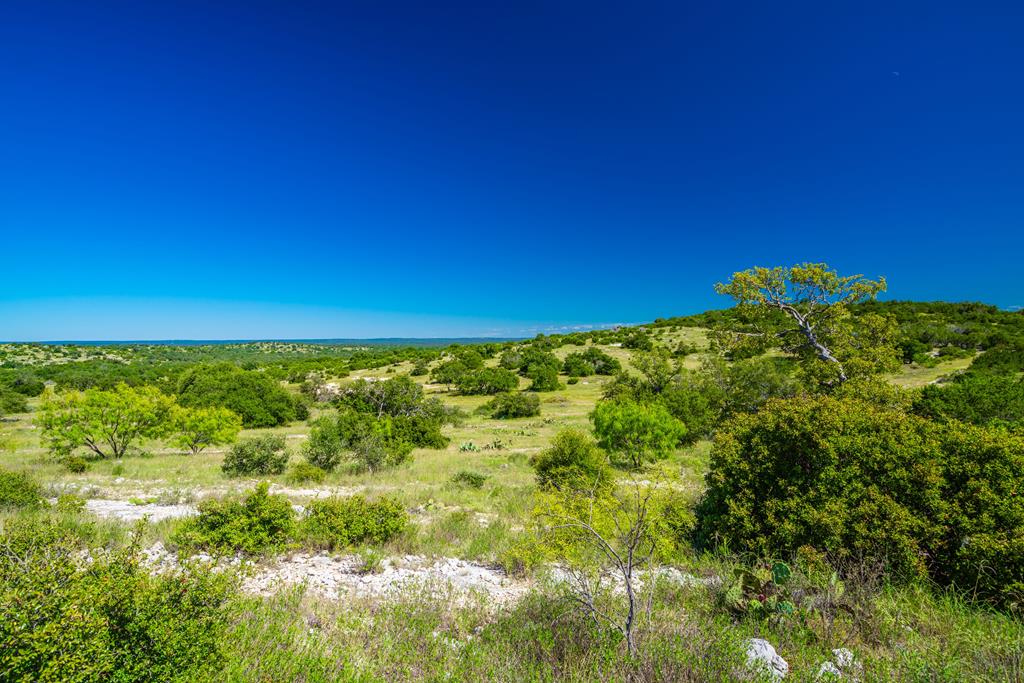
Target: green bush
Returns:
[[108, 621], [261, 456], [305, 472], [543, 378], [573, 461], [70, 503], [512, 405], [19, 490], [469, 478], [342, 522], [978, 398], [11, 401], [857, 480], [592, 361], [258, 399], [636, 432], [76, 464], [487, 381], [256, 524]]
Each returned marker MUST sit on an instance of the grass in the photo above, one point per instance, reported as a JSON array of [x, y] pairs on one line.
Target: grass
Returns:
[[912, 633]]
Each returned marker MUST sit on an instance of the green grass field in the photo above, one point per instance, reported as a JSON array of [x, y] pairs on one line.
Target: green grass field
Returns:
[[913, 632]]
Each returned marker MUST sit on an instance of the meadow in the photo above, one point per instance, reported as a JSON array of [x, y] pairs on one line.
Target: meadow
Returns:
[[462, 592]]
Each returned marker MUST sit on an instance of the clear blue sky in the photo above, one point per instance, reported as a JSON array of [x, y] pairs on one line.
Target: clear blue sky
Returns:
[[291, 169]]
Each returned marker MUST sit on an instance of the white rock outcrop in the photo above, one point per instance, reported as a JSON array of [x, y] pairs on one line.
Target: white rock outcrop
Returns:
[[761, 656]]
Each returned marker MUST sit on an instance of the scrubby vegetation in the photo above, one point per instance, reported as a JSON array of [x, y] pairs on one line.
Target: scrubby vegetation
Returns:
[[333, 523], [811, 466], [260, 456]]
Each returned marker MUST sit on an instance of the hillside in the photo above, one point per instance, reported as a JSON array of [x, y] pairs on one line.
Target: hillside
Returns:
[[461, 586]]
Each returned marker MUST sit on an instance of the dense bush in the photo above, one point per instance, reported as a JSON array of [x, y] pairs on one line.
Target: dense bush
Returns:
[[19, 490], [12, 402], [857, 480], [341, 522], [1003, 359], [305, 472], [543, 378], [533, 360], [513, 404], [258, 399], [592, 361], [573, 461], [637, 432], [978, 398], [256, 524], [370, 441], [21, 382], [260, 456], [110, 620], [75, 464], [487, 381], [397, 396]]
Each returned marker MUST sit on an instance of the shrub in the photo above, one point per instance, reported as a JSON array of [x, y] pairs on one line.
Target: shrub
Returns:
[[487, 381], [258, 523], [258, 399], [592, 361], [304, 472], [469, 478], [637, 432], [76, 464], [19, 490], [512, 405], [261, 456], [70, 503], [572, 461], [108, 621], [341, 522], [398, 396], [330, 437], [858, 480], [11, 401], [1002, 359], [978, 398], [544, 378]]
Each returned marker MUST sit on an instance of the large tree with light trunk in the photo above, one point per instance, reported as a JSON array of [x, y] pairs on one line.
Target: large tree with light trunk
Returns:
[[805, 311]]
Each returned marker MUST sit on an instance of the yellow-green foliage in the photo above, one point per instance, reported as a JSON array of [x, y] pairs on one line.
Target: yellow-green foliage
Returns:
[[855, 479], [258, 523], [106, 422], [197, 428], [19, 490], [573, 461], [340, 522], [111, 620], [261, 456]]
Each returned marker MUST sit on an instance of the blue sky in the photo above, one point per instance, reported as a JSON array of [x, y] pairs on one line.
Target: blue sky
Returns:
[[269, 169]]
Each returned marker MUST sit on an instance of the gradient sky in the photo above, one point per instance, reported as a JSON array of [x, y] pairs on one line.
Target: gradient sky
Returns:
[[293, 169]]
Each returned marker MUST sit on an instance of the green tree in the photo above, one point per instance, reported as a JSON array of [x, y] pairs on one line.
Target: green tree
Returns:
[[858, 480], [260, 400], [197, 428], [488, 381], [108, 423], [637, 432], [572, 461], [543, 378], [805, 310]]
